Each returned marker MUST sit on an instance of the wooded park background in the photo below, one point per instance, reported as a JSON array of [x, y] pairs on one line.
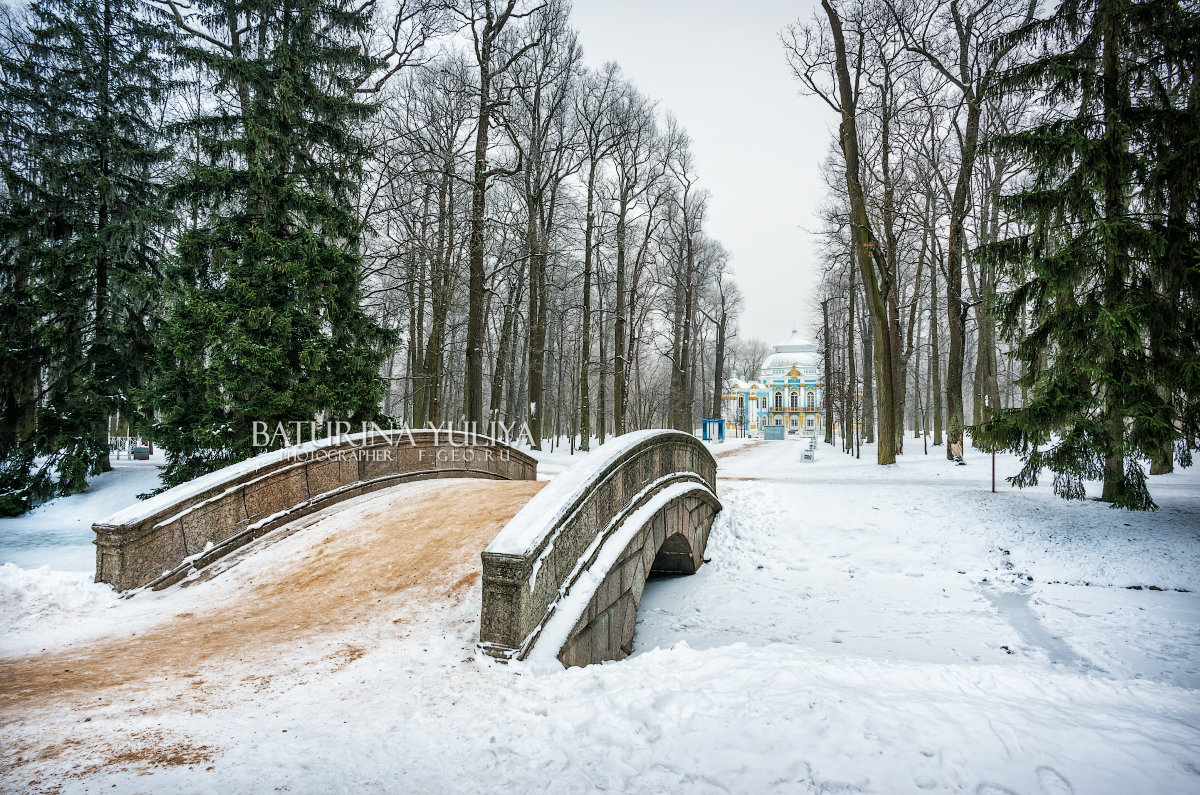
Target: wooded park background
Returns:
[[218, 212]]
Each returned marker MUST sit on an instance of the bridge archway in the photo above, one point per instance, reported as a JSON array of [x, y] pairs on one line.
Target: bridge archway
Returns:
[[564, 579], [672, 542]]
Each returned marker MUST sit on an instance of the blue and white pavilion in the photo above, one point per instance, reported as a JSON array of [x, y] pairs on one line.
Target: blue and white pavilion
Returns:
[[789, 391]]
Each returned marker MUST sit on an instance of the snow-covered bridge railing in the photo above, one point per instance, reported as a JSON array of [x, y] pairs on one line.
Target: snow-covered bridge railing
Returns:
[[564, 578], [157, 542]]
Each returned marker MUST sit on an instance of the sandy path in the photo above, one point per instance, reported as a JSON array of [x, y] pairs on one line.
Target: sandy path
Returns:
[[310, 602]]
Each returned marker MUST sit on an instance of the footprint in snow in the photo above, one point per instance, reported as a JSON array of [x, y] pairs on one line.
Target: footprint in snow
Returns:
[[1053, 783], [993, 789]]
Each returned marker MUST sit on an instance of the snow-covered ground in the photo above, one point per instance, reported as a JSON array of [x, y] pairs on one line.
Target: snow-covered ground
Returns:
[[920, 562], [48, 560], [59, 532], [857, 628]]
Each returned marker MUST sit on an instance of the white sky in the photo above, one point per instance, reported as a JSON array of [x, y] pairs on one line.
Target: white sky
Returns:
[[758, 143]]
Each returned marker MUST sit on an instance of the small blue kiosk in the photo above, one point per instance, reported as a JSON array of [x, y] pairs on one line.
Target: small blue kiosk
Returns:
[[712, 428]]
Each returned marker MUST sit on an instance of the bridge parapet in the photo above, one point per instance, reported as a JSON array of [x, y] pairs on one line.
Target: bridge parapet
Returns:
[[564, 578], [157, 542]]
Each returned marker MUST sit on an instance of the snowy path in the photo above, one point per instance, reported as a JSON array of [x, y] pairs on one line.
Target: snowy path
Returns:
[[926, 565], [293, 607], [847, 635]]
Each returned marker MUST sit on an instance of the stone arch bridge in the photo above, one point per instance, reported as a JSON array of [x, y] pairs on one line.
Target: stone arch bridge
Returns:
[[562, 579]]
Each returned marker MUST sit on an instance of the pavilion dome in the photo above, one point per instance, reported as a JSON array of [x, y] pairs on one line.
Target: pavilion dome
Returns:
[[795, 344], [794, 351]]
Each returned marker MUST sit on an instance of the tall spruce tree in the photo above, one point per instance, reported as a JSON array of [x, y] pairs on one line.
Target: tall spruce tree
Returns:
[[1090, 266], [265, 323], [81, 223]]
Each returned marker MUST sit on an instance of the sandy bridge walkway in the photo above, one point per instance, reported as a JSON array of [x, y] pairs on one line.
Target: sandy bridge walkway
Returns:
[[307, 604]]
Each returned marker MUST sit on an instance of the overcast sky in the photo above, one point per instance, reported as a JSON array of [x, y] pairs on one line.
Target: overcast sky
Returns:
[[758, 143]]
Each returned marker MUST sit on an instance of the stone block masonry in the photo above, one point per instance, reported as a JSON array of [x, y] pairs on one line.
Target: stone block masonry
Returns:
[[565, 576], [158, 542]]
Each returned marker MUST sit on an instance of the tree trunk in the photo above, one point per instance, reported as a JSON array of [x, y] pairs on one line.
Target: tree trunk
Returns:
[[1114, 145], [935, 364], [828, 373], [956, 309], [507, 332], [602, 380], [585, 341], [537, 332], [987, 321], [434, 364], [473, 385], [719, 365], [619, 321], [680, 345], [851, 400], [891, 259], [916, 390], [866, 252], [867, 412], [419, 281]]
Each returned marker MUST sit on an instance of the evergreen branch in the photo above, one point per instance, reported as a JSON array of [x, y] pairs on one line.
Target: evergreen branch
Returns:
[[175, 7]]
